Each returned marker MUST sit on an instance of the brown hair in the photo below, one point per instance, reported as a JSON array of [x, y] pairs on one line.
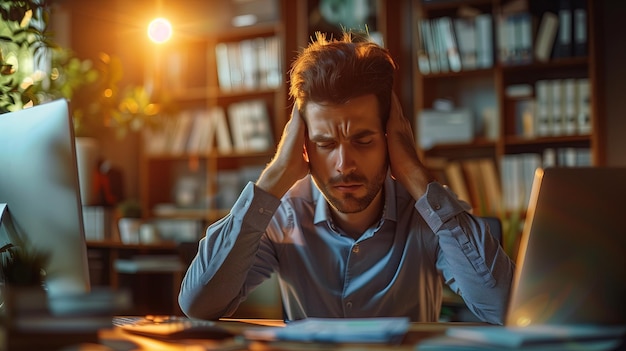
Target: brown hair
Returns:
[[337, 70]]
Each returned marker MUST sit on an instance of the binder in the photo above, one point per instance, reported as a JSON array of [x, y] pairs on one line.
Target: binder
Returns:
[[563, 45], [580, 28], [556, 104], [543, 98], [569, 106], [583, 106]]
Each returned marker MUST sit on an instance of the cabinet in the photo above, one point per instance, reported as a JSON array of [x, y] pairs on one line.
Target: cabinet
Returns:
[[154, 289], [524, 73]]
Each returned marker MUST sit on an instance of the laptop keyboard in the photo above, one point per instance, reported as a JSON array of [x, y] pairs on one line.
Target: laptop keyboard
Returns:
[[171, 327]]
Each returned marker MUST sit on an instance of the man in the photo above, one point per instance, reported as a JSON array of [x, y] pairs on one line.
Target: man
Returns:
[[345, 213]]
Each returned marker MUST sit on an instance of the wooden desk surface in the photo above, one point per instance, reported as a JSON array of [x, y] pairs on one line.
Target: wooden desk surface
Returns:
[[119, 340]]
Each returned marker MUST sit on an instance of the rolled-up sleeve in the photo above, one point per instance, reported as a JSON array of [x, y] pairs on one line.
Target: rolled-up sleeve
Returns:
[[471, 261], [212, 284]]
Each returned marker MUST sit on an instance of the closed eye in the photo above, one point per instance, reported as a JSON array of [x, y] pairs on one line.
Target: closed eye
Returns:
[[363, 142], [325, 144]]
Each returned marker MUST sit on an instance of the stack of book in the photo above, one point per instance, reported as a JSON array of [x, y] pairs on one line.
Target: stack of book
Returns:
[[200, 132]]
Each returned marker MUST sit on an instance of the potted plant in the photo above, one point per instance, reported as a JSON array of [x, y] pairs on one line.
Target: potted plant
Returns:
[[128, 214], [23, 277]]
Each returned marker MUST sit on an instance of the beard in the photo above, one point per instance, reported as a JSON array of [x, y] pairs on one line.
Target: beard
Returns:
[[348, 202]]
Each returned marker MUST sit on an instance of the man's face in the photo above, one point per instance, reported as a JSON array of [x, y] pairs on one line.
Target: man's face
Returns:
[[347, 151]]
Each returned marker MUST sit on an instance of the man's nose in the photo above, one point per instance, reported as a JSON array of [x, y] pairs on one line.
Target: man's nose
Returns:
[[345, 161]]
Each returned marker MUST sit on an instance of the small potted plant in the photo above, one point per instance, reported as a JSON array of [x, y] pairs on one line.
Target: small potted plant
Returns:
[[23, 277], [129, 220]]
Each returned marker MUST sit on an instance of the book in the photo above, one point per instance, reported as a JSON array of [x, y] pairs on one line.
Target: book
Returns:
[[450, 44], [235, 64], [546, 35], [250, 126], [465, 31], [492, 188], [422, 51], [97, 222], [456, 181], [429, 44], [273, 48], [222, 132], [556, 105], [196, 132], [504, 31], [223, 67], [149, 263], [569, 107], [543, 100], [249, 62], [523, 36], [525, 117], [440, 45], [184, 122], [583, 106], [484, 40]]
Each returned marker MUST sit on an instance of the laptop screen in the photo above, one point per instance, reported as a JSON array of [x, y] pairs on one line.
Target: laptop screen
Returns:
[[571, 266]]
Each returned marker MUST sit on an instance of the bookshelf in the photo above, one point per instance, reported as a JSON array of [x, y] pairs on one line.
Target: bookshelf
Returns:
[[229, 88], [528, 77]]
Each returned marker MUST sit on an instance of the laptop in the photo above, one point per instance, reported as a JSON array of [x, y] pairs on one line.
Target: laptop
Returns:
[[571, 266], [569, 288]]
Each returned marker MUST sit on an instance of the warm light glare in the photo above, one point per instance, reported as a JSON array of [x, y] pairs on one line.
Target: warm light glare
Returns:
[[159, 30]]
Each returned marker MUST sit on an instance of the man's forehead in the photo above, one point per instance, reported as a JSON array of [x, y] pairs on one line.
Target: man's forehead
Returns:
[[361, 111]]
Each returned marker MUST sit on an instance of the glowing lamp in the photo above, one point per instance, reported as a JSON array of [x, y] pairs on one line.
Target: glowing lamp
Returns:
[[159, 30]]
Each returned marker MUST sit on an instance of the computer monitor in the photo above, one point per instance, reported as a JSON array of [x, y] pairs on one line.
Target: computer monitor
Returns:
[[39, 184]]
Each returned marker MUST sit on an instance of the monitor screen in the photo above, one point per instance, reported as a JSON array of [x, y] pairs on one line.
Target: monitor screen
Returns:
[[39, 184]]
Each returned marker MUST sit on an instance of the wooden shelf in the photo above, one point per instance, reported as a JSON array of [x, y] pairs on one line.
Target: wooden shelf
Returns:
[[486, 88]]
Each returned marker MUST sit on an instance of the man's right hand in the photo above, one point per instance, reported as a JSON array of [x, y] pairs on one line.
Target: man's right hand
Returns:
[[289, 164]]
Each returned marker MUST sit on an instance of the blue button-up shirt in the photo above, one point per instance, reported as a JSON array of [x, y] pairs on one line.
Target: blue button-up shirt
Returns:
[[395, 268]]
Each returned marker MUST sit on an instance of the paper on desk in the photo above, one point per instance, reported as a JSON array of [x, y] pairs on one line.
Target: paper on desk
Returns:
[[536, 336], [336, 330]]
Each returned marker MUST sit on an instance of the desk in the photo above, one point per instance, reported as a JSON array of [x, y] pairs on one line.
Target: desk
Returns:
[[118, 340]]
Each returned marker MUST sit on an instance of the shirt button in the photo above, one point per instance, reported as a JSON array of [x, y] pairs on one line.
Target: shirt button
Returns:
[[437, 206], [349, 305], [261, 210], [355, 249]]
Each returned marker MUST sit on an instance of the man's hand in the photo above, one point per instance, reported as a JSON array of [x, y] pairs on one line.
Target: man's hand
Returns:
[[404, 162], [289, 163]]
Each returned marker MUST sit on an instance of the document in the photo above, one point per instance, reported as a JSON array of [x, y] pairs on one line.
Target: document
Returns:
[[336, 330], [536, 338]]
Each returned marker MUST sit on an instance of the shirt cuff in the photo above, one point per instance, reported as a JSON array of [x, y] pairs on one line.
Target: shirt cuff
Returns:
[[256, 206], [438, 205]]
